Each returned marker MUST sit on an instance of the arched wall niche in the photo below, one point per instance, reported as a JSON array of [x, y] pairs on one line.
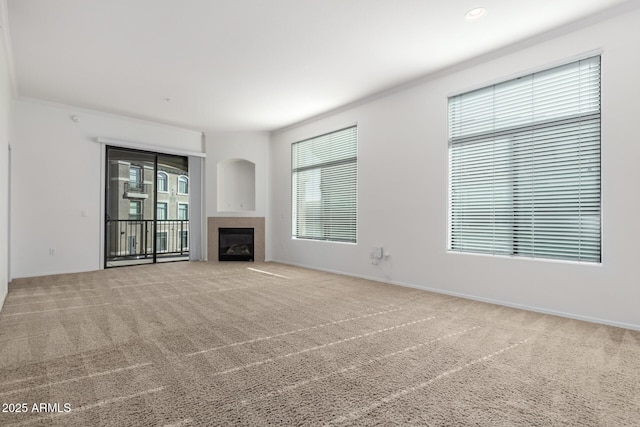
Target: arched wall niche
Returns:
[[236, 185]]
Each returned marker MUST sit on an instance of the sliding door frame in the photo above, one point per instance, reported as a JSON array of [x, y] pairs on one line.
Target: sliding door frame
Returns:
[[197, 181], [154, 221]]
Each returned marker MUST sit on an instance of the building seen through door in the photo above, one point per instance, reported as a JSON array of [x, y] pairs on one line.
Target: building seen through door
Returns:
[[147, 207]]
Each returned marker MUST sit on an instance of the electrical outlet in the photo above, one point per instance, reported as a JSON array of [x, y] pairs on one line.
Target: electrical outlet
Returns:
[[52, 251]]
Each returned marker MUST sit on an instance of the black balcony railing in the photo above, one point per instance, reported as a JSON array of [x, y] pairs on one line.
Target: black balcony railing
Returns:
[[134, 239]]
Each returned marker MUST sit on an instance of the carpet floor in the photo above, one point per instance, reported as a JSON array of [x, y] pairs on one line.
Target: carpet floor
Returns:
[[205, 344]]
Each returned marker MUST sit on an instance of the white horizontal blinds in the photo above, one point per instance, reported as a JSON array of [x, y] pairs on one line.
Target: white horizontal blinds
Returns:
[[325, 170], [525, 165]]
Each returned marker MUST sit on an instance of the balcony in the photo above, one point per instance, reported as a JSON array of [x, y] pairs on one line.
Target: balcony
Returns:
[[136, 190]]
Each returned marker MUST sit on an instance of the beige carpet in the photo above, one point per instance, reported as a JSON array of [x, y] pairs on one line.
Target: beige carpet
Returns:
[[267, 344]]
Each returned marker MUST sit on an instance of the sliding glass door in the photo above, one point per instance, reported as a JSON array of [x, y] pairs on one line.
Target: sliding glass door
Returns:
[[147, 207]]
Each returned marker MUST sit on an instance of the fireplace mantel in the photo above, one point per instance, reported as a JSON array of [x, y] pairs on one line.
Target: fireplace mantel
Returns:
[[216, 222]]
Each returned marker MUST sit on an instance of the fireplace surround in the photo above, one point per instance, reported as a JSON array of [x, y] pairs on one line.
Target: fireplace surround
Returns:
[[215, 223]]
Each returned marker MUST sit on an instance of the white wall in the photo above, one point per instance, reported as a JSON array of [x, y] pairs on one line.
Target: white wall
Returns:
[[5, 121], [403, 189], [236, 185], [251, 146], [57, 174]]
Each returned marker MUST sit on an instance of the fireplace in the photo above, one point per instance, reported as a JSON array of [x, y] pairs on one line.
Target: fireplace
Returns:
[[235, 244], [215, 223]]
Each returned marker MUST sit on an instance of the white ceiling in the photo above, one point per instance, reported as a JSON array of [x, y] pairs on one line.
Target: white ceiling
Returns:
[[236, 65]]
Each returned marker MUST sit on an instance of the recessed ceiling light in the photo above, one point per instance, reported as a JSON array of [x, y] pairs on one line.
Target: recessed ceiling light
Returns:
[[475, 14]]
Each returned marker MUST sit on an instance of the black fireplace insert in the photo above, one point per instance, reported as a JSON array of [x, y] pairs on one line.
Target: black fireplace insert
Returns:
[[235, 244]]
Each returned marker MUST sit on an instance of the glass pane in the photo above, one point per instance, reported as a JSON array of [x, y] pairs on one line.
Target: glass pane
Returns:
[[147, 207], [130, 207], [162, 211], [172, 224], [162, 182]]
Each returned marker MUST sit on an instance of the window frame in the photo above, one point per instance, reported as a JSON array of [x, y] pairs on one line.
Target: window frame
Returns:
[[186, 205], [136, 185], [337, 221], [165, 179], [549, 235], [165, 210], [183, 179], [139, 215]]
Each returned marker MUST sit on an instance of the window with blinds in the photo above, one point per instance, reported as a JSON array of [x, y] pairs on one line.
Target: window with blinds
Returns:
[[524, 166], [325, 186]]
